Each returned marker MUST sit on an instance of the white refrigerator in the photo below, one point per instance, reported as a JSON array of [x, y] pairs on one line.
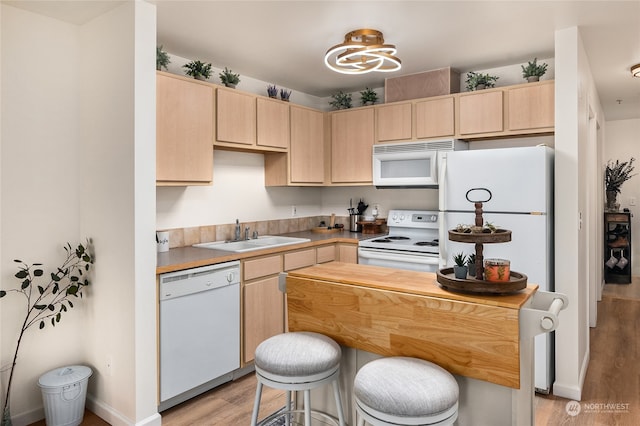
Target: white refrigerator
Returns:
[[520, 181]]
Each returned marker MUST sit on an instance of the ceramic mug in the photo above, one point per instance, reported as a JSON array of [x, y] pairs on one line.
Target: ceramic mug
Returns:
[[622, 262], [162, 240], [612, 261]]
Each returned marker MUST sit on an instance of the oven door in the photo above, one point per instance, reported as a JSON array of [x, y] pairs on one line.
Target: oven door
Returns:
[[399, 260]]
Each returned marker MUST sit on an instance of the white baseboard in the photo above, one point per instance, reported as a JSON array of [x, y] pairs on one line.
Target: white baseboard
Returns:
[[116, 418], [573, 391], [29, 417]]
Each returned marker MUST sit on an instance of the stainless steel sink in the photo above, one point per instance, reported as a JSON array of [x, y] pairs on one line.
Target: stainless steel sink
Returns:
[[264, 242]]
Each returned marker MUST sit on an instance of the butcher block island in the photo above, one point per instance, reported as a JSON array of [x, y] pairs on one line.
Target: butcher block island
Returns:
[[485, 341]]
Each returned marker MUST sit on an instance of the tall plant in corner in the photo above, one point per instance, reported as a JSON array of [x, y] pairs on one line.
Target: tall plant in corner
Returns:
[[46, 298]]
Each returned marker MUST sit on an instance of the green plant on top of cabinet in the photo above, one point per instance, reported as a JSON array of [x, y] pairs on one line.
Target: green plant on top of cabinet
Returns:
[[393, 122], [184, 131], [435, 117], [352, 139]]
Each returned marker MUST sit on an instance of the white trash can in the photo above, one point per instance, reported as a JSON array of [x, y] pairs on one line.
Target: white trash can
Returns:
[[64, 391]]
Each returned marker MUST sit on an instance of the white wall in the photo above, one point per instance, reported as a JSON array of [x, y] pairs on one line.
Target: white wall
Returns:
[[622, 144], [39, 188], [78, 143], [575, 97], [118, 135]]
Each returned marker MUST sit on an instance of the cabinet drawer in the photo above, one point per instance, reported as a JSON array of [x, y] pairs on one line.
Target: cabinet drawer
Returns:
[[299, 259], [616, 217], [326, 254], [262, 267]]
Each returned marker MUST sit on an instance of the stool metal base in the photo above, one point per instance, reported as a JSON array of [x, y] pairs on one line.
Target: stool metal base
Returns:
[[304, 384]]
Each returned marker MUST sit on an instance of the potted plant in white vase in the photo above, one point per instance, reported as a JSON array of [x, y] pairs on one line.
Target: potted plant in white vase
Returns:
[[47, 297], [615, 175], [532, 72], [198, 70], [229, 78]]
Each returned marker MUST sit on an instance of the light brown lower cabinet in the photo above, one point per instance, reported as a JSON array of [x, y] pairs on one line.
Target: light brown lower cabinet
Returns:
[[263, 304], [263, 307]]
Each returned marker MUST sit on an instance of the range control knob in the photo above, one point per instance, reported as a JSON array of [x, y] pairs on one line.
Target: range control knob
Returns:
[[433, 218]]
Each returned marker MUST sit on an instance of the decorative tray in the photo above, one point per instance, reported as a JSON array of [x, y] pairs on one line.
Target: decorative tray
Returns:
[[448, 281], [499, 236]]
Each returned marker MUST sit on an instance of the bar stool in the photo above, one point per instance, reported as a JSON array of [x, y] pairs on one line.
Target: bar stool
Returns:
[[298, 361], [405, 391]]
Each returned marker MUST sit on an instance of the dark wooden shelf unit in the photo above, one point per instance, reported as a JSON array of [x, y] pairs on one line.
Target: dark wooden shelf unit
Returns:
[[617, 247]]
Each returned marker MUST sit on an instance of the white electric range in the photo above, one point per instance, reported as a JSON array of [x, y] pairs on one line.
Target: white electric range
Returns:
[[411, 244]]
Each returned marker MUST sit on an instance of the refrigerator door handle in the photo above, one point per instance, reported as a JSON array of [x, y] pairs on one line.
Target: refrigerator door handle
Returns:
[[443, 236], [442, 183]]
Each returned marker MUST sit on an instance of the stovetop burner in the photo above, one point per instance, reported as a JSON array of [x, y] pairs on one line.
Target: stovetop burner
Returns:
[[427, 243], [398, 237], [382, 240]]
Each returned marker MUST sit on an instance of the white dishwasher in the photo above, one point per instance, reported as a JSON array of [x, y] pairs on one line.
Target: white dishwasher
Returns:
[[199, 330]]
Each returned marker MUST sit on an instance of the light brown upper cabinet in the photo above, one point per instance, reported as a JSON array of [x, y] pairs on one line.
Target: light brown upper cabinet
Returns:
[[184, 131], [435, 117], [481, 112], [304, 164], [235, 117], [352, 139], [531, 107], [272, 123], [306, 153], [393, 122]]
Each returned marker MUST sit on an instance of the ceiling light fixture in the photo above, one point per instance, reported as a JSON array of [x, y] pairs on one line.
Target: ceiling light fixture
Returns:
[[363, 51], [635, 70]]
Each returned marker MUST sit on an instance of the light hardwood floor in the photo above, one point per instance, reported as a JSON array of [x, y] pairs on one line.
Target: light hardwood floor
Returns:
[[611, 394]]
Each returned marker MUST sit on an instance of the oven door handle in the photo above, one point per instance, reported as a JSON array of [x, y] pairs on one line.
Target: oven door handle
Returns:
[[412, 258]]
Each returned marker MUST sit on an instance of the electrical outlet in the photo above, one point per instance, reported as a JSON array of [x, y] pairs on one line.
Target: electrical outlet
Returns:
[[632, 201], [294, 210]]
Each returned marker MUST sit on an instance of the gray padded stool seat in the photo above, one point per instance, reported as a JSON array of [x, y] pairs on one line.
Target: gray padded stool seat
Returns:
[[298, 361], [405, 391]]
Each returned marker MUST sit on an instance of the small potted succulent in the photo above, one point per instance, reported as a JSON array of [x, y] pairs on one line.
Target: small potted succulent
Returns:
[[471, 264], [198, 70], [285, 94], [272, 91], [162, 58], [229, 78], [479, 81], [341, 100], [532, 72], [460, 267], [368, 97]]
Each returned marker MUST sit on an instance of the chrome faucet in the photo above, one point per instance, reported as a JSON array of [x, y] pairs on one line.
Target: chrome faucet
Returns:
[[236, 236], [246, 233]]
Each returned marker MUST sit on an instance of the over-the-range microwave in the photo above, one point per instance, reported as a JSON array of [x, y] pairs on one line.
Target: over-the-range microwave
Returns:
[[410, 164]]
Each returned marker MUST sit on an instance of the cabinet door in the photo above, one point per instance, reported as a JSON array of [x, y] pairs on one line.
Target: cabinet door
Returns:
[[348, 253], [393, 122], [435, 118], [263, 307], [236, 117], [481, 113], [184, 131], [352, 137], [272, 123], [531, 107], [306, 153]]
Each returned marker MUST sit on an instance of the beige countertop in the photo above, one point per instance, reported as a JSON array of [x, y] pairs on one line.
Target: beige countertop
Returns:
[[192, 257]]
